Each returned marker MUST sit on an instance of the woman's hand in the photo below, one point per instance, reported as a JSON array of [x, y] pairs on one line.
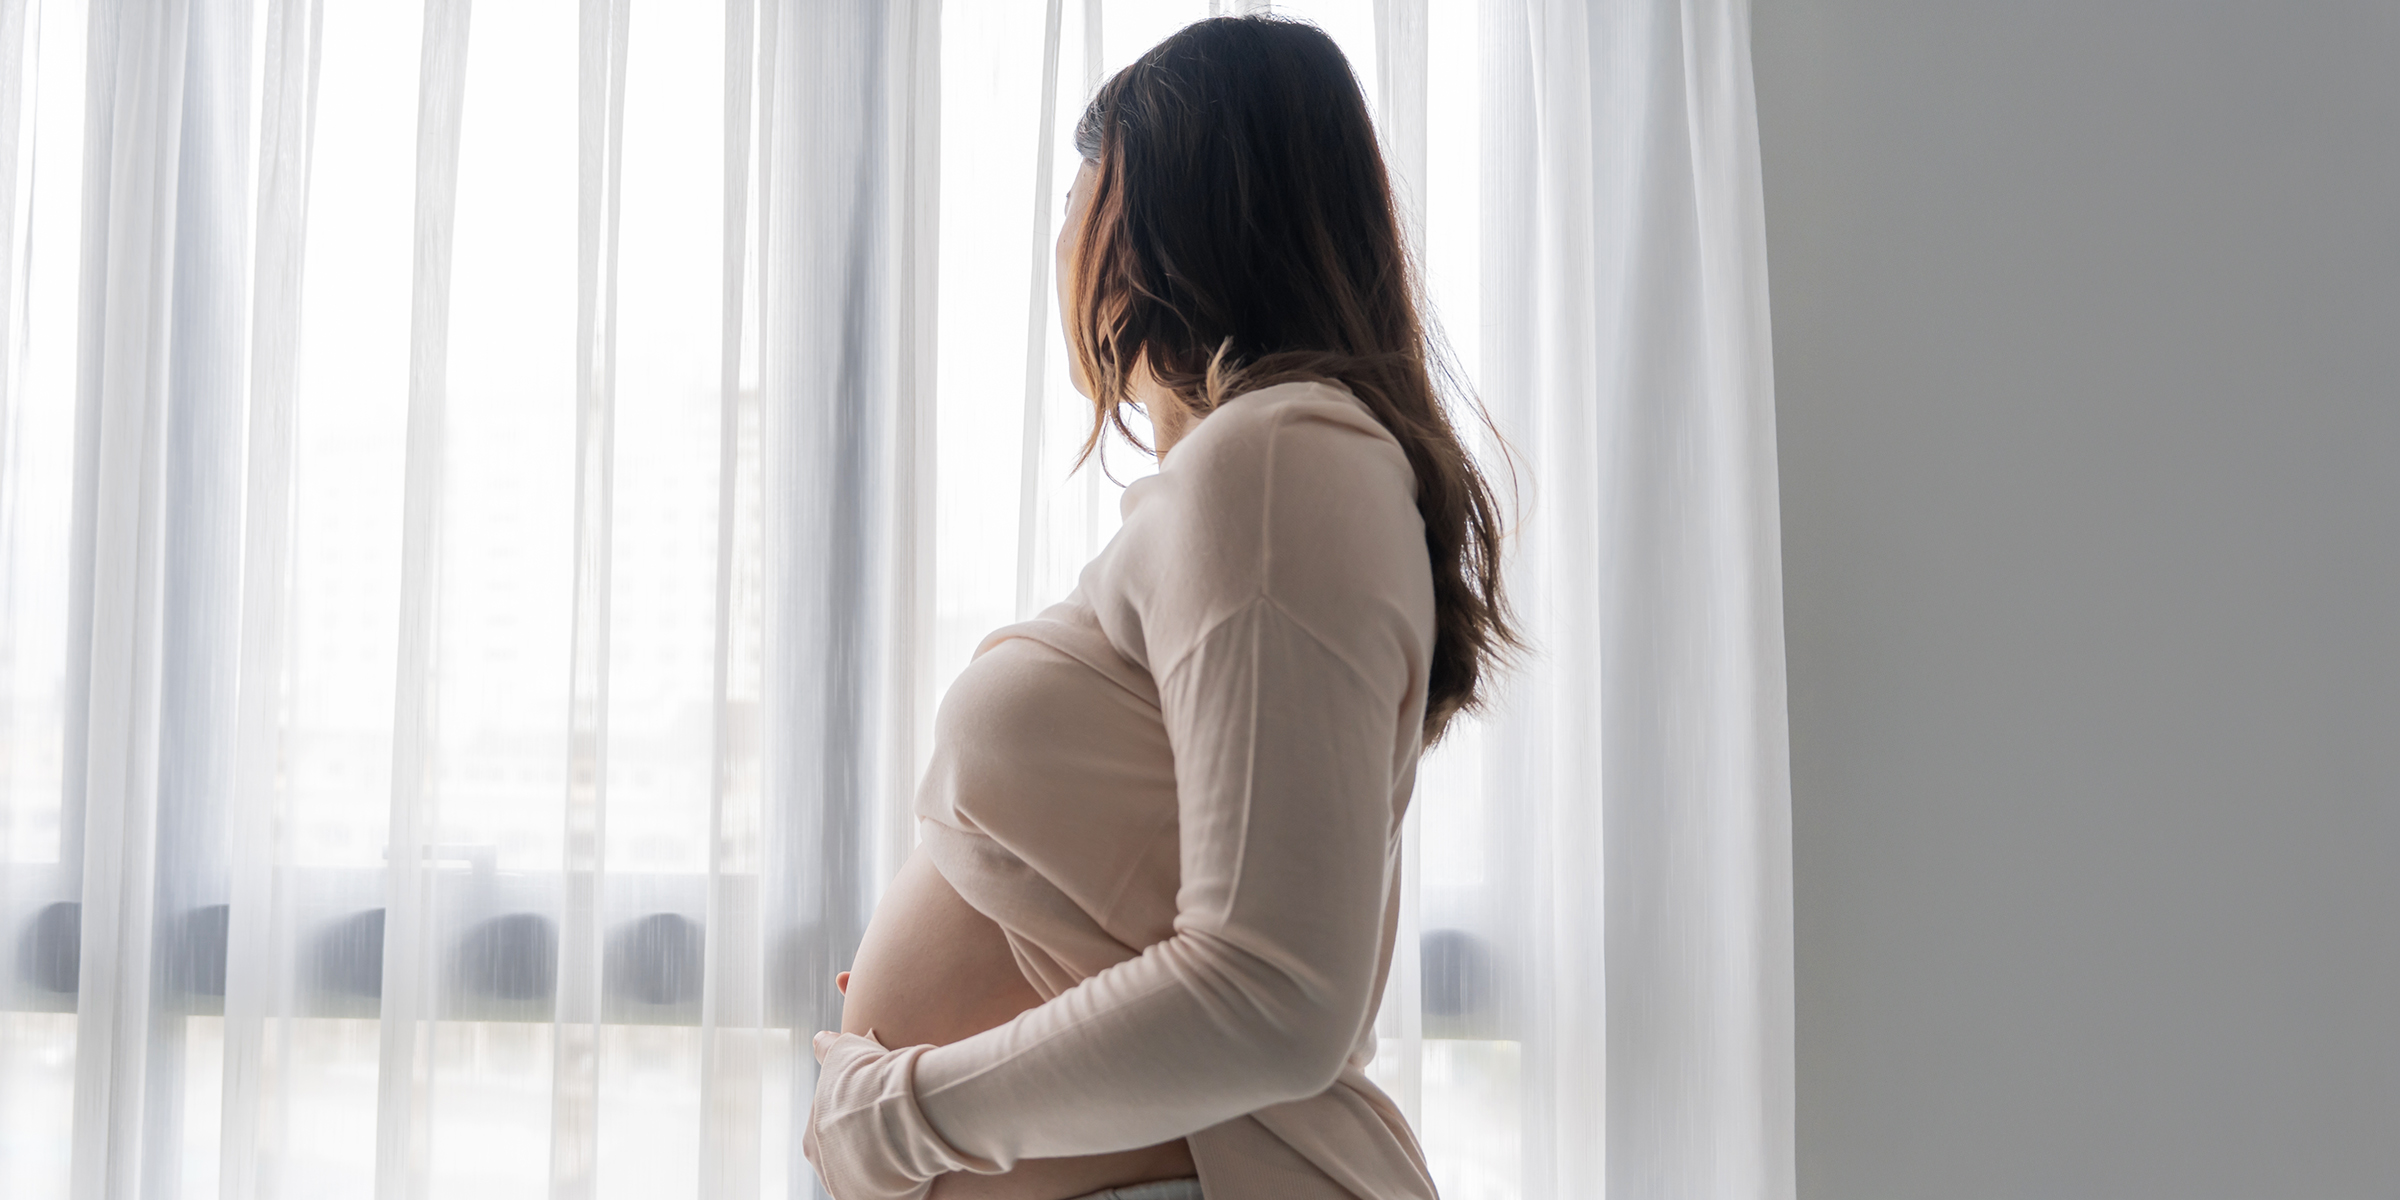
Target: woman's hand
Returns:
[[827, 1037], [866, 1136]]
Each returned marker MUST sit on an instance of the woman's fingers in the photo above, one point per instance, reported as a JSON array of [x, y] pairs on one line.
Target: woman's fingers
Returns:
[[827, 1037]]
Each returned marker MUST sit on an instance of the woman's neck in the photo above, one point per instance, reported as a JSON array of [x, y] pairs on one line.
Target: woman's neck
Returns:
[[1169, 418]]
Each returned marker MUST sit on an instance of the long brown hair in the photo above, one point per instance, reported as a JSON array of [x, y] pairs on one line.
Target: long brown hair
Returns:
[[1241, 232]]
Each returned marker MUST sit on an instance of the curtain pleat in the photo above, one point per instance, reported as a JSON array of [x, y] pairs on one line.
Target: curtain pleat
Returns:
[[134, 110], [575, 1044], [404, 1065], [1542, 781], [1038, 323], [1401, 49], [1064, 512], [207, 350], [259, 970], [843, 393], [17, 90], [1095, 16], [732, 1008], [20, 67], [1402, 86], [913, 199]]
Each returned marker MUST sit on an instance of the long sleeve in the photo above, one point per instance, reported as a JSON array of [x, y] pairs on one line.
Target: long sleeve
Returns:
[[1259, 995], [1274, 581]]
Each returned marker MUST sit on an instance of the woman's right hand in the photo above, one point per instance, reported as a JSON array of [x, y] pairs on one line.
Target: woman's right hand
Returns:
[[866, 1137]]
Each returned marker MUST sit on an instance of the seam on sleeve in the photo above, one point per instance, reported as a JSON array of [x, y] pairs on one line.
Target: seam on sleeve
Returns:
[[1266, 576], [1266, 503], [1250, 749], [1160, 677], [1301, 623], [1241, 840], [1262, 600], [1282, 416]]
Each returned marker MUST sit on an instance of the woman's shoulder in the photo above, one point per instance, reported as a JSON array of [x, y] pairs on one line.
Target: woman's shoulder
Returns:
[[1295, 458], [1321, 417], [1240, 468], [1293, 495]]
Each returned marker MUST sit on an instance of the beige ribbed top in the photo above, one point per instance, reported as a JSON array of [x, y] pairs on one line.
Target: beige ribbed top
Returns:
[[1179, 792]]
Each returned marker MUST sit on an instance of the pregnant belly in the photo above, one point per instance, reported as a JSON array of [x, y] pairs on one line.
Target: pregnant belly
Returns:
[[932, 970]]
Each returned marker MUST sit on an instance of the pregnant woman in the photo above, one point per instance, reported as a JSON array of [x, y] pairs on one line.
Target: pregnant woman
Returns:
[[1140, 946]]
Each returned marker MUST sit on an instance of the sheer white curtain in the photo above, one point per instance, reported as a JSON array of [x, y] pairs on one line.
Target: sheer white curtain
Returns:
[[1639, 763], [461, 642], [481, 537], [1602, 901]]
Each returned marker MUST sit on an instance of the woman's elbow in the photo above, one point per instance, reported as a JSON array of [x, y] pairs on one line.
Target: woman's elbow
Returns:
[[1316, 1068], [1306, 1055], [1293, 1027]]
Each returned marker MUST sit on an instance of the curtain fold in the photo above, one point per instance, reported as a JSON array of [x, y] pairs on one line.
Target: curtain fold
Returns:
[[845, 425], [1402, 52], [259, 976], [733, 1044], [122, 789], [408, 1015], [600, 142], [1641, 755]]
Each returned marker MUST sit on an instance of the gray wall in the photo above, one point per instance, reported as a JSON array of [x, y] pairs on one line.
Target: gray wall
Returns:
[[2087, 339]]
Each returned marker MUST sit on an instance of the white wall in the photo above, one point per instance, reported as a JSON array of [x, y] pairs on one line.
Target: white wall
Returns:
[[2087, 338]]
